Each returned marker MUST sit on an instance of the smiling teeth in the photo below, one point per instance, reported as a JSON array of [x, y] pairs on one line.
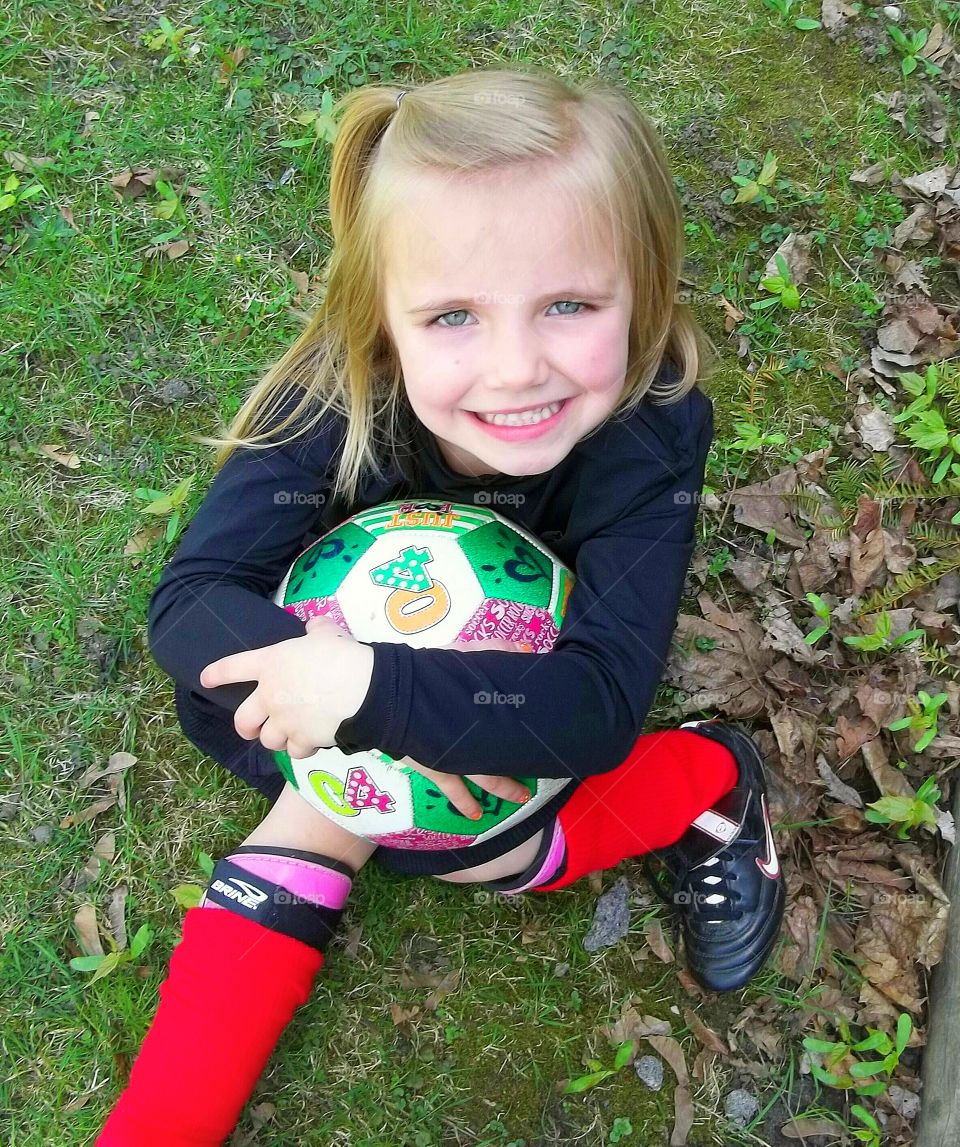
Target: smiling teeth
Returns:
[[525, 418]]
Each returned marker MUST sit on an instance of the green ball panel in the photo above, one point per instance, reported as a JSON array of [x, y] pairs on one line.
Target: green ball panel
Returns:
[[508, 566], [320, 570]]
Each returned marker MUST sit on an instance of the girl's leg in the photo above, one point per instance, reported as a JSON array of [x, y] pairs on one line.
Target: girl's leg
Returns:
[[247, 960], [668, 779], [516, 860]]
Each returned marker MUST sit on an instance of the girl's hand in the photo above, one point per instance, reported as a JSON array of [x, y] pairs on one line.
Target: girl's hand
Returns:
[[453, 786], [306, 687]]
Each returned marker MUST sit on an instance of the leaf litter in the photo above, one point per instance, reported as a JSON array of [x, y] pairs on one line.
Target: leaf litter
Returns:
[[866, 915]]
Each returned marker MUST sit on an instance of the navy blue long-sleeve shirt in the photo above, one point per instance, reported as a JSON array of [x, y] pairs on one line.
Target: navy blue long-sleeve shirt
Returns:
[[620, 510]]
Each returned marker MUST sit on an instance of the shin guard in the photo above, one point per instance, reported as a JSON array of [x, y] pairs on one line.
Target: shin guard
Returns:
[[245, 963]]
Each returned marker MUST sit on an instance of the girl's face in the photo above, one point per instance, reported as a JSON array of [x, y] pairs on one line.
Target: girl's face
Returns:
[[496, 301]]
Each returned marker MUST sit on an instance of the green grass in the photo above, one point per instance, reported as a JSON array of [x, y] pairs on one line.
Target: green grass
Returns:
[[91, 332]]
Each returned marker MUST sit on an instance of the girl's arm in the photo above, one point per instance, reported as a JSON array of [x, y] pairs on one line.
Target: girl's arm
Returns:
[[577, 710], [213, 598]]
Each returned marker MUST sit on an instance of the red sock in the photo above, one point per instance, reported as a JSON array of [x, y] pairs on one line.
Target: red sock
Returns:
[[232, 988], [647, 802]]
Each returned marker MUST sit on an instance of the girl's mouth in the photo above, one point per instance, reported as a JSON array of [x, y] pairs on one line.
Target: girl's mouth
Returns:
[[532, 423]]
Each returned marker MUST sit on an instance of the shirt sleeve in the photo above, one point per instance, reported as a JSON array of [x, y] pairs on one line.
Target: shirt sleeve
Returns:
[[578, 709], [213, 598]]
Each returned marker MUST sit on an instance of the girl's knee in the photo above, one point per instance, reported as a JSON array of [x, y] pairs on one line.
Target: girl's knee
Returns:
[[294, 823]]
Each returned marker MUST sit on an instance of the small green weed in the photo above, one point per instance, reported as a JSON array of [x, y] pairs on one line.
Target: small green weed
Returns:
[[598, 1072], [922, 718], [752, 190], [783, 288], [103, 965], [926, 428], [880, 638], [822, 610], [783, 9], [907, 812], [160, 503], [174, 41], [15, 194], [842, 1069], [909, 47]]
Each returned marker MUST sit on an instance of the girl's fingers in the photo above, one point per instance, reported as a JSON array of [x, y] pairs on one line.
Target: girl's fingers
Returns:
[[452, 787], [505, 787]]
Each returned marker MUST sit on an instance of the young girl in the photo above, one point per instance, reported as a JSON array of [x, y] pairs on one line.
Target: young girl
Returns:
[[500, 325]]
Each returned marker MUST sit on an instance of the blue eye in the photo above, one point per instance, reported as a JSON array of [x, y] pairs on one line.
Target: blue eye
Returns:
[[455, 326]]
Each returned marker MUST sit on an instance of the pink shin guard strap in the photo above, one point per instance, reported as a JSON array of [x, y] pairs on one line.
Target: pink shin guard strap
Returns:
[[309, 879]]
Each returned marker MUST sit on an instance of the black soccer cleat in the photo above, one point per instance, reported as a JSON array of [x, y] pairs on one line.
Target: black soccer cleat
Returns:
[[723, 875]]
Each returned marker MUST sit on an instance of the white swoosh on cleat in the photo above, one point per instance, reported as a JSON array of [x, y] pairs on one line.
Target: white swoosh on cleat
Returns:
[[770, 866]]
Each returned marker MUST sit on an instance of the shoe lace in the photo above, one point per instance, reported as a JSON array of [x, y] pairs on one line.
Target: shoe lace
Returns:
[[705, 889]]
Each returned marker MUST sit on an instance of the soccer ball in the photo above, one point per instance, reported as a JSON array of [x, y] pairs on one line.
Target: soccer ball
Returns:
[[427, 573]]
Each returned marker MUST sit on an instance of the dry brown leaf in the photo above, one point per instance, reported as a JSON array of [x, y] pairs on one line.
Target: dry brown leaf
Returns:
[[852, 735], [870, 176], [844, 817], [64, 457], [762, 507], [866, 560], [116, 763], [85, 922], [88, 813], [909, 857], [809, 1128], [106, 847], [795, 250], [707, 1036], [175, 250], [116, 910], [837, 788], [403, 1015], [447, 986], [631, 1025], [142, 540], [653, 933], [672, 1052], [875, 426], [796, 734], [133, 183], [729, 676], [300, 279], [682, 1116]]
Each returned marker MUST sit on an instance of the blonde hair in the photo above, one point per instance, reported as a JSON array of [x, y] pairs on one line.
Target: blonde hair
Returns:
[[590, 140]]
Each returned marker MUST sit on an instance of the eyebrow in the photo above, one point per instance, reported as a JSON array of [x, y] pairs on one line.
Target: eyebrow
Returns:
[[571, 293]]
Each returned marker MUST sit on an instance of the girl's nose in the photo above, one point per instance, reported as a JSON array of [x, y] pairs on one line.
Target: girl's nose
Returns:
[[518, 361]]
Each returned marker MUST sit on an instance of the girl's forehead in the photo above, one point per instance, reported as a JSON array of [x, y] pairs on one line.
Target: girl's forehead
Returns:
[[495, 220]]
